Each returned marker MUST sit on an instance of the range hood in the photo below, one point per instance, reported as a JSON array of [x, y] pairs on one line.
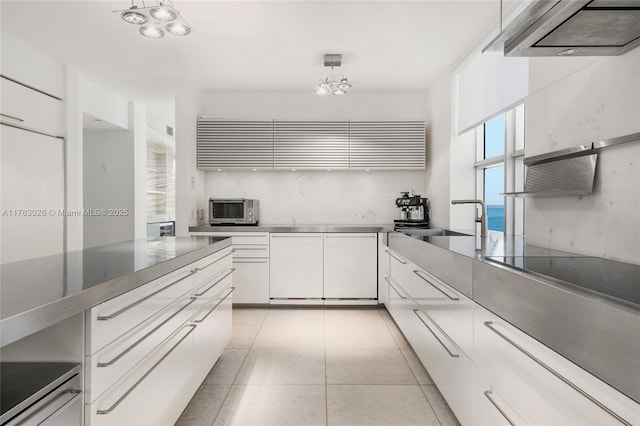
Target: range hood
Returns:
[[571, 28]]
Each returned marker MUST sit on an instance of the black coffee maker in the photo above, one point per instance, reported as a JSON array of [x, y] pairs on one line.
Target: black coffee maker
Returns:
[[414, 211]]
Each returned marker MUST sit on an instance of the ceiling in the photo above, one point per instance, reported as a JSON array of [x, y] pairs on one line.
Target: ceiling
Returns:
[[256, 45]]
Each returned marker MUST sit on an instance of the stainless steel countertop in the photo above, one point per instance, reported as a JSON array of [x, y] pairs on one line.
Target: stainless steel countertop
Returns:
[[293, 228], [37, 293]]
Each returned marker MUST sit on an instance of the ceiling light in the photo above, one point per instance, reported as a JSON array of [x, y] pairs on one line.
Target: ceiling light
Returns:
[[151, 31], [157, 19], [335, 85], [179, 29], [133, 17], [567, 52], [163, 13]]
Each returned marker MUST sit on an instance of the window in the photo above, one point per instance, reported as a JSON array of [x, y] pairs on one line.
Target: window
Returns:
[[499, 169]]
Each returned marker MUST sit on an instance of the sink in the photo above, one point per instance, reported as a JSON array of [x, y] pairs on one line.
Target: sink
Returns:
[[434, 233]]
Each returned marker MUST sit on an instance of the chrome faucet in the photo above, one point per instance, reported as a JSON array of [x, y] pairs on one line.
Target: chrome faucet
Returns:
[[482, 220]]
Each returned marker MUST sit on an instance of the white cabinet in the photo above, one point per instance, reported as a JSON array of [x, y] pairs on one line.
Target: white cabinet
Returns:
[[491, 407], [544, 386], [32, 193], [350, 266], [400, 304], [383, 269], [447, 364], [251, 264], [296, 266], [29, 108], [148, 350]]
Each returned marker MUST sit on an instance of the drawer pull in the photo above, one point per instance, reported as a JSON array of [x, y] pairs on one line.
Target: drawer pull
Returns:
[[247, 260], [126, 351], [12, 117], [198, 321], [136, 303], [488, 394], [350, 236], [216, 283], [250, 248], [141, 379], [489, 325], [428, 281], [396, 257], [451, 354], [58, 403], [215, 261], [394, 288]]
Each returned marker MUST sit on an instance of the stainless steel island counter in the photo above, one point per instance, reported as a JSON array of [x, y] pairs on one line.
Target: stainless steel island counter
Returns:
[[39, 292], [293, 228]]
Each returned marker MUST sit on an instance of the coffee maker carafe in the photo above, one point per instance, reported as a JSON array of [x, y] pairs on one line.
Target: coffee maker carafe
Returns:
[[414, 211]]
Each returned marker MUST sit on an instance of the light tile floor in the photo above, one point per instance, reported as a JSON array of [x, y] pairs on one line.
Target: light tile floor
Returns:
[[308, 366]]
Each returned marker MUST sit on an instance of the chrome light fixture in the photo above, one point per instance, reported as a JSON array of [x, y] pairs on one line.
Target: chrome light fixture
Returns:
[[155, 20], [337, 86]]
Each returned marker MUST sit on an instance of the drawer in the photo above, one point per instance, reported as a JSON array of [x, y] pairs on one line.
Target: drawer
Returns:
[[29, 108], [400, 307], [250, 250], [112, 362], [115, 317], [239, 238], [251, 280], [450, 309], [491, 406], [449, 367], [156, 391], [546, 387]]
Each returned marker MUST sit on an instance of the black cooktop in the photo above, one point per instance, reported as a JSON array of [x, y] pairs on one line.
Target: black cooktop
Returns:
[[617, 281]]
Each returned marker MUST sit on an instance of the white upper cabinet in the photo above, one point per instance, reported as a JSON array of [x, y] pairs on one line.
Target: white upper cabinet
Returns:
[[387, 145], [28, 108], [311, 145], [234, 144]]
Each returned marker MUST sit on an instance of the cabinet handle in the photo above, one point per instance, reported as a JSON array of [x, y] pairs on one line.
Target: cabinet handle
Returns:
[[394, 288], [489, 325], [126, 351], [12, 117], [216, 283], [247, 260], [249, 248], [396, 257], [198, 321], [428, 281], [488, 394], [296, 236], [141, 379], [451, 354], [215, 261], [75, 394], [136, 303], [350, 236]]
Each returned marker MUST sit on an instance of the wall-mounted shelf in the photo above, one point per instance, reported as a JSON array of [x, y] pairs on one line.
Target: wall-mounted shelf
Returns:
[[567, 172]]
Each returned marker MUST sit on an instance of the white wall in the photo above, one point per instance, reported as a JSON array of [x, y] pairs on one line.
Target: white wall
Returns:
[[576, 101], [108, 176], [291, 198], [190, 182], [317, 197]]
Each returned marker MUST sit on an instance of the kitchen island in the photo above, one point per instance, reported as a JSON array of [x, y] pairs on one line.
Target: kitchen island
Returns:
[[143, 320]]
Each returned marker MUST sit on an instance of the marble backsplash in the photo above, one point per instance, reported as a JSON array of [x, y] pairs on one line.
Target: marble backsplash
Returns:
[[294, 198]]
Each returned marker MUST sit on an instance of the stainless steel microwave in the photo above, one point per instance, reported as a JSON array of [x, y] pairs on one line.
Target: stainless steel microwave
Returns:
[[234, 211]]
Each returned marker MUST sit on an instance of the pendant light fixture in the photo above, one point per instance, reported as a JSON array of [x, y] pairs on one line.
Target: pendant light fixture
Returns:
[[155, 20], [337, 86]]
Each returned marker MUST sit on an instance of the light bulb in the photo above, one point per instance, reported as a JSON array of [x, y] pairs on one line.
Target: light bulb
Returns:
[[344, 84], [321, 90], [133, 17], [178, 29], [339, 92], [163, 14], [151, 32]]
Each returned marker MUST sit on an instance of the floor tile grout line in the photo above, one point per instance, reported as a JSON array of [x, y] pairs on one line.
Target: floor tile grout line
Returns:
[[429, 402], [326, 381]]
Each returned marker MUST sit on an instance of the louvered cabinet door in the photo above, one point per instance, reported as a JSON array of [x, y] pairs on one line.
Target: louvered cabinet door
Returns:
[[390, 145], [311, 145], [234, 144]]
